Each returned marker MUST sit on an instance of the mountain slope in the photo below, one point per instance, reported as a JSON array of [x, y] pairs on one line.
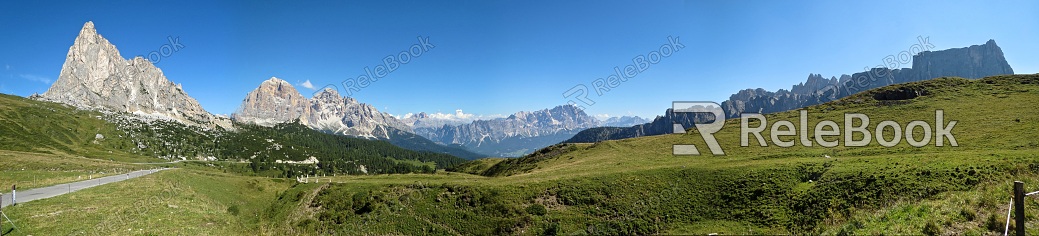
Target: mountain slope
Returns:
[[972, 62]]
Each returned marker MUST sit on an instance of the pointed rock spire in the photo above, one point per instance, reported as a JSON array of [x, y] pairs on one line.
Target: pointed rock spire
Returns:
[[94, 75]]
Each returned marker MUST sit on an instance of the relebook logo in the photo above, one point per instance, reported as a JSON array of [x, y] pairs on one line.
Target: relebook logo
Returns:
[[780, 132]]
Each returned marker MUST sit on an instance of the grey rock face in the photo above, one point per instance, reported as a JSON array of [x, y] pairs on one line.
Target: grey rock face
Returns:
[[276, 101], [972, 62], [518, 134], [96, 76]]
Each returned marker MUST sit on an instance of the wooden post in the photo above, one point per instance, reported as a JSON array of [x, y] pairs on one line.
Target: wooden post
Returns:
[[1019, 208], [1, 214]]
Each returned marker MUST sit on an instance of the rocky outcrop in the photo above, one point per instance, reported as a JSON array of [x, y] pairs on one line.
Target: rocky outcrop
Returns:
[[96, 76], [518, 134], [276, 101], [972, 62]]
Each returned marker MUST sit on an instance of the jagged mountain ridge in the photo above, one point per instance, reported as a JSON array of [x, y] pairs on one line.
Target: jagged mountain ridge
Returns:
[[973, 62], [277, 101], [518, 134], [96, 76]]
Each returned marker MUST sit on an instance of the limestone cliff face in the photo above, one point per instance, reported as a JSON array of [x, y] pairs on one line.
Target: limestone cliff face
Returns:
[[276, 101], [95, 76], [972, 62]]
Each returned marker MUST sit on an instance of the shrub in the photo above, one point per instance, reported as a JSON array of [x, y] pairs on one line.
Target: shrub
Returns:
[[233, 209], [931, 229], [537, 209]]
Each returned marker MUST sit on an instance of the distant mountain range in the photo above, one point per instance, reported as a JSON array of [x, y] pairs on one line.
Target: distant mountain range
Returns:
[[276, 101], [972, 62], [516, 135]]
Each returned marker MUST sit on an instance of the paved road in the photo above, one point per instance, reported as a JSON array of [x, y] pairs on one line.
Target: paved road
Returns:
[[57, 190]]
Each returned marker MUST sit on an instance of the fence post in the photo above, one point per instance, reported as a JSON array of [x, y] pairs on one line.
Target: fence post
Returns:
[[1019, 208]]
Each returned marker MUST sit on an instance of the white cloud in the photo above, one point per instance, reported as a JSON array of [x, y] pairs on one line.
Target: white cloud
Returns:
[[307, 84], [36, 78], [602, 116]]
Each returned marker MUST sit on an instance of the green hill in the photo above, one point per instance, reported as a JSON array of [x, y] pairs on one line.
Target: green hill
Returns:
[[636, 186]]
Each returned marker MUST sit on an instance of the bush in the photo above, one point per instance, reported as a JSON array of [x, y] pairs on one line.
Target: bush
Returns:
[[537, 209], [993, 224], [968, 214], [931, 229], [233, 209]]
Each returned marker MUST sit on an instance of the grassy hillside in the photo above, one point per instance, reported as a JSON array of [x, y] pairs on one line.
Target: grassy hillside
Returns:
[[636, 186]]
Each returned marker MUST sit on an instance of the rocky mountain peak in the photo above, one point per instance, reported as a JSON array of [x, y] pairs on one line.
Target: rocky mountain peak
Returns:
[[277, 101], [96, 76], [274, 101], [275, 81], [327, 93]]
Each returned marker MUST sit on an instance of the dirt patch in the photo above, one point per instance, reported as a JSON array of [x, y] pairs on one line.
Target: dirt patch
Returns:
[[899, 94], [550, 201]]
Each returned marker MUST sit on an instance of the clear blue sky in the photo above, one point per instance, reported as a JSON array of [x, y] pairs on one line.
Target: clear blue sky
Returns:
[[499, 57]]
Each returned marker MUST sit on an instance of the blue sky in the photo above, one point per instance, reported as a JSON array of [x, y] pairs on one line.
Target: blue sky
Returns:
[[499, 57]]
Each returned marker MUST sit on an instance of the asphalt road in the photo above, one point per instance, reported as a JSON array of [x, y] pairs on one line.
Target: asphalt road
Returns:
[[57, 190]]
